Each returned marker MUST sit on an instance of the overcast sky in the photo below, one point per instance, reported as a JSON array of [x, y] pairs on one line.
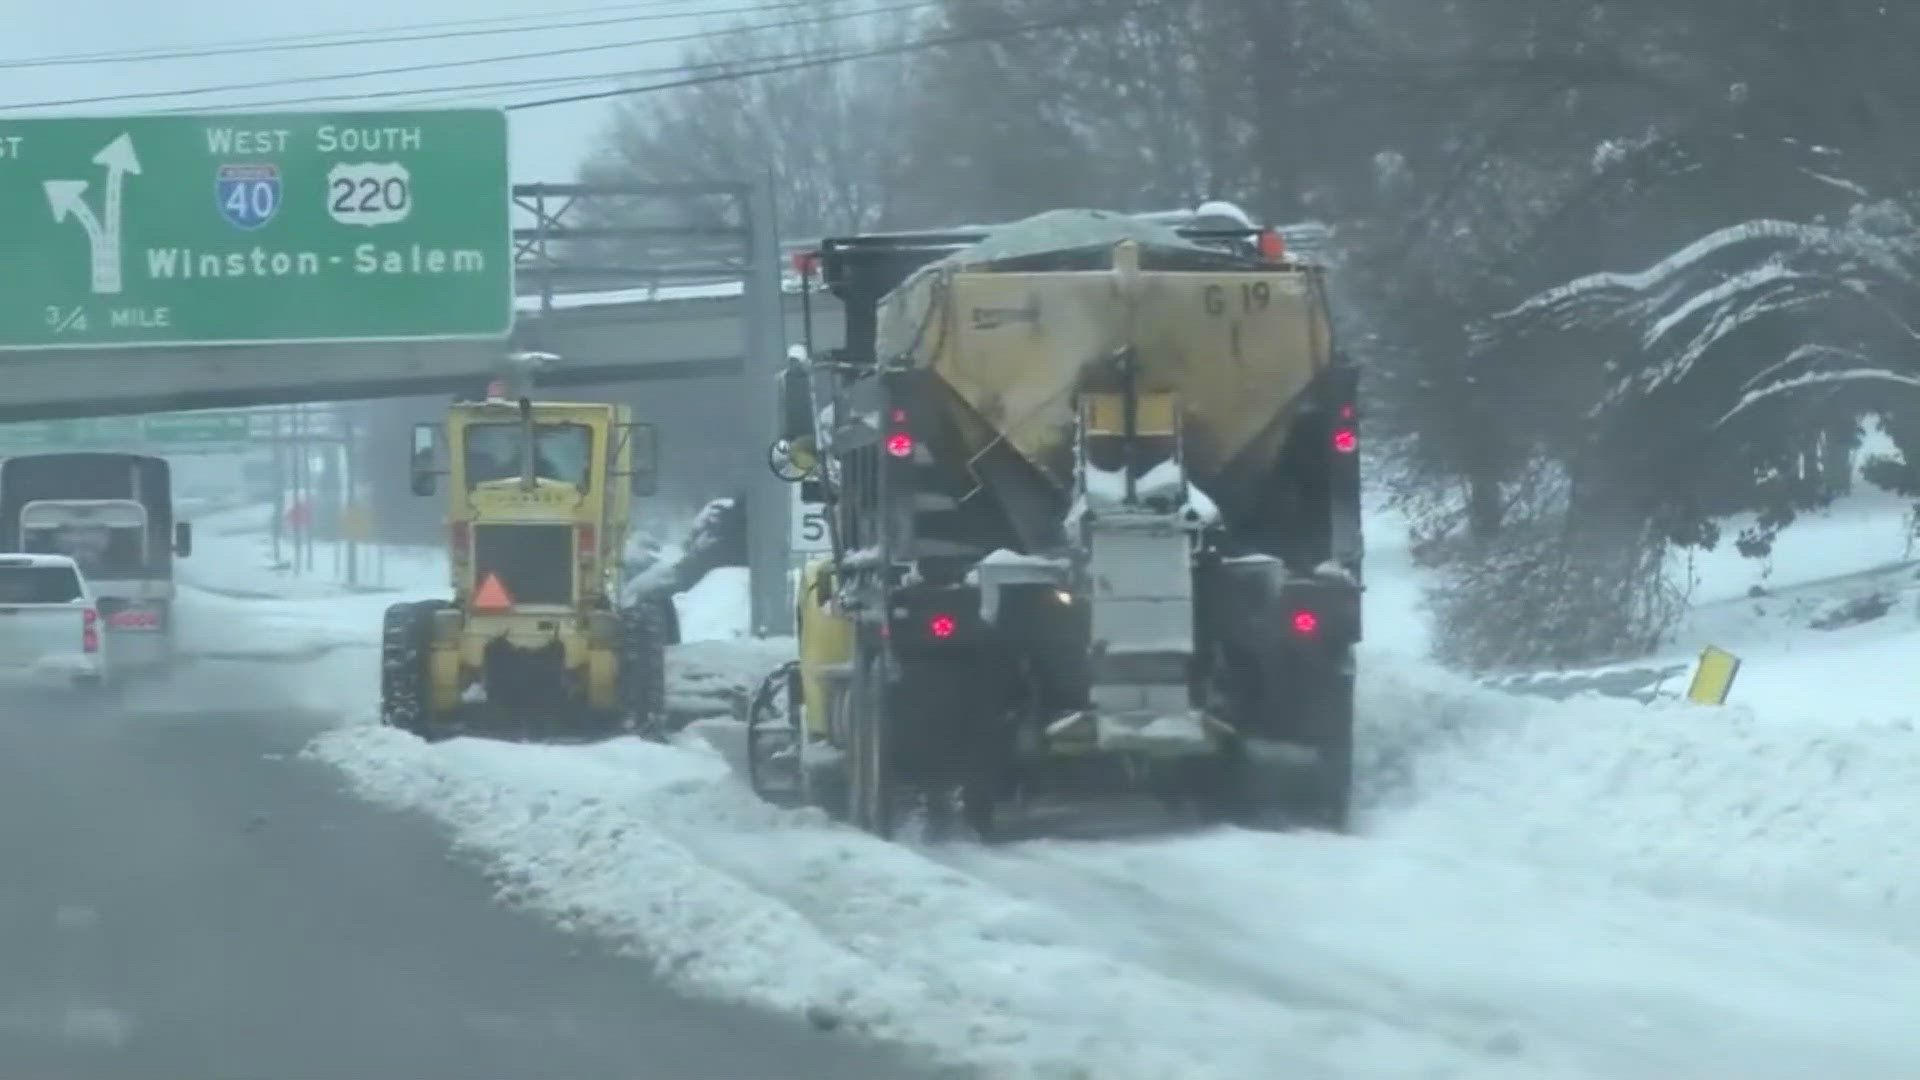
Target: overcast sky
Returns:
[[548, 144]]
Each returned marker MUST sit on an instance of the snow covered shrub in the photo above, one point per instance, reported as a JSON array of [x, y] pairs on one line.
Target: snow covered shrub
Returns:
[[1545, 592]]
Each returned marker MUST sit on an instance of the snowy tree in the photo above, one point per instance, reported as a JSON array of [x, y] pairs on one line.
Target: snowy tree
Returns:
[[828, 135]]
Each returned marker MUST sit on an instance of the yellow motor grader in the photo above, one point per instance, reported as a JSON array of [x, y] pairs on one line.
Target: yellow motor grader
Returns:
[[533, 643]]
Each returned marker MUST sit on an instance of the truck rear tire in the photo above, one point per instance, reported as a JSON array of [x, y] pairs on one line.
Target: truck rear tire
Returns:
[[1250, 788], [873, 796], [406, 636], [1326, 792]]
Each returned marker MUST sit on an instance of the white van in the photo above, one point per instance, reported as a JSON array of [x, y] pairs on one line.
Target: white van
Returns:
[[49, 624]]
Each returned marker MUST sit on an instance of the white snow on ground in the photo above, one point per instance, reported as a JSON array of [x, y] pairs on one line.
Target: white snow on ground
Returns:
[[715, 609], [318, 639], [1591, 888], [663, 849], [234, 554]]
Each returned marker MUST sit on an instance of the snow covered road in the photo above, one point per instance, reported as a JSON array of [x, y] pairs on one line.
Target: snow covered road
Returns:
[[1588, 888], [1594, 890], [185, 895]]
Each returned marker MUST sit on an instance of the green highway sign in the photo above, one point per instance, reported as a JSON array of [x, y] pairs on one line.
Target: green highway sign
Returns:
[[211, 229], [162, 429], [195, 428]]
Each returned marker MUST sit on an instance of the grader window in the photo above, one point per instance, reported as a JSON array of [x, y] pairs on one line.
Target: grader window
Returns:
[[562, 452]]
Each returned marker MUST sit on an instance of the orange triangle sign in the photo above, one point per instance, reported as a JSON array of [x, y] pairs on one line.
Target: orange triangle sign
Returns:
[[492, 595]]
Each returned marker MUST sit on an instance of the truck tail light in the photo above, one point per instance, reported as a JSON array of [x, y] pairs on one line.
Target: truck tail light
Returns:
[[1273, 247], [586, 540], [90, 631], [900, 442], [1305, 623], [1346, 436], [459, 535]]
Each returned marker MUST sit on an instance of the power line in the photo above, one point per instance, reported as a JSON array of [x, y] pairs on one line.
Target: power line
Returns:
[[474, 92], [466, 91], [469, 62], [471, 91], [730, 70], [388, 35], [830, 59]]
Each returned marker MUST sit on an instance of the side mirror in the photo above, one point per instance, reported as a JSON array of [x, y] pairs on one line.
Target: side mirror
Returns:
[[792, 461], [796, 402], [643, 459], [425, 449], [182, 539]]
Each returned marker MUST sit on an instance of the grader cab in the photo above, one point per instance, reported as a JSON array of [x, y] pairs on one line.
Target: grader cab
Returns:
[[533, 643]]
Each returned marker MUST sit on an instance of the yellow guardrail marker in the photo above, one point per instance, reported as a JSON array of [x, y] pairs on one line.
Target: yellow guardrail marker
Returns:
[[1713, 677]]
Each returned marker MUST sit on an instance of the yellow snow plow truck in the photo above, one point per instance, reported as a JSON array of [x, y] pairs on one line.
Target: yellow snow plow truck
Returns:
[[533, 644], [1092, 490]]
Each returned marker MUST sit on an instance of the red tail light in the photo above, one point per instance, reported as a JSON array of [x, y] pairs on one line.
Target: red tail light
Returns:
[[1346, 440], [900, 444], [941, 626], [90, 631], [586, 537], [1306, 623], [459, 539], [1272, 247]]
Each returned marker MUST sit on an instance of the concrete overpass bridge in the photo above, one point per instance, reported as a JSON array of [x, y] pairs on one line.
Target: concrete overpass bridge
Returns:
[[698, 357], [575, 271], [602, 337]]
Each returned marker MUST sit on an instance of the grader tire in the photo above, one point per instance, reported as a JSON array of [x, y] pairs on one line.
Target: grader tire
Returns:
[[642, 679], [406, 635]]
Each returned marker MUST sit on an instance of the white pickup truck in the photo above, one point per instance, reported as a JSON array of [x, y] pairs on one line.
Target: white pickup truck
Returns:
[[49, 624]]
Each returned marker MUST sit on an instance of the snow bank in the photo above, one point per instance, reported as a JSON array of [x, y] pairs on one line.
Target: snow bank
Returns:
[[662, 849], [1589, 888], [1545, 889], [234, 555], [717, 607], [1799, 815], [707, 678]]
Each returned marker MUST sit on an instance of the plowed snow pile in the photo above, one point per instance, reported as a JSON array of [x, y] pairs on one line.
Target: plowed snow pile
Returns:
[[1588, 888], [1790, 814], [662, 849]]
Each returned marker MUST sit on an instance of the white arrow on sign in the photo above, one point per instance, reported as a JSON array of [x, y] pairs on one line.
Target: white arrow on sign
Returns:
[[68, 198]]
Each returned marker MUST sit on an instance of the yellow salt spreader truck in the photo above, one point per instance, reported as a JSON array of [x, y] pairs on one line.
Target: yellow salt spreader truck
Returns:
[[1092, 488], [533, 644]]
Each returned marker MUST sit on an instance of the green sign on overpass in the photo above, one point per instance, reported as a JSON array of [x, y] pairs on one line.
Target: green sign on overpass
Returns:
[[207, 430], [263, 228]]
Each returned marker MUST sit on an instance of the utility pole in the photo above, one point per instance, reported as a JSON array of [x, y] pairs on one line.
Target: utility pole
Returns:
[[302, 493], [352, 516], [767, 499], [280, 467]]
